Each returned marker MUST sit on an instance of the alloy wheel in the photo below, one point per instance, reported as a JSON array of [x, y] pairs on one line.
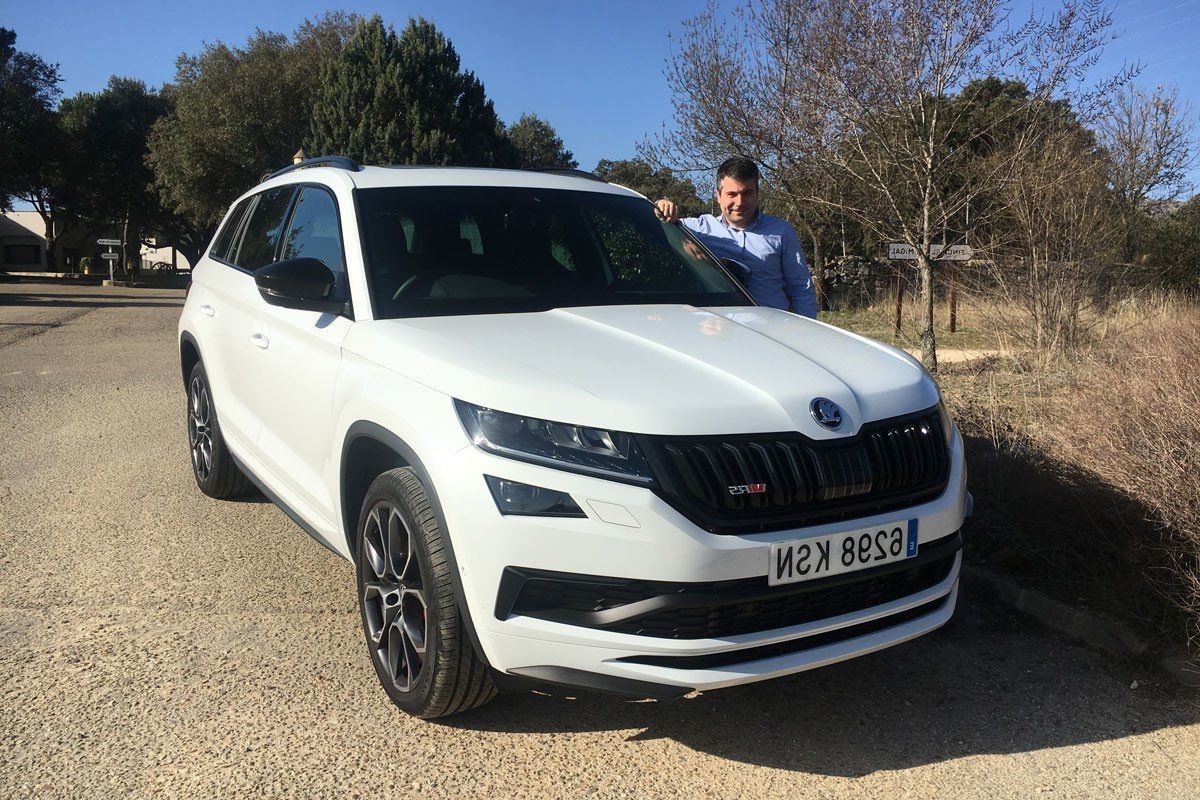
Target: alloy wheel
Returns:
[[200, 428], [393, 596]]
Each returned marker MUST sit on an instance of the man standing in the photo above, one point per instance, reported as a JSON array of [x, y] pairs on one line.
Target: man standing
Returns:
[[779, 276]]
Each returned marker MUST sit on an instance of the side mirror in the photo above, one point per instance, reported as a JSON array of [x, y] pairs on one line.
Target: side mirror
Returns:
[[301, 283], [739, 271]]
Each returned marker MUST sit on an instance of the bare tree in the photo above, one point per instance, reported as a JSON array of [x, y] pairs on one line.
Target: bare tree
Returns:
[[848, 105], [1051, 244], [1150, 143]]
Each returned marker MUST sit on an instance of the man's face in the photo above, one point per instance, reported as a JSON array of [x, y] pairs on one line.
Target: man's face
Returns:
[[738, 201]]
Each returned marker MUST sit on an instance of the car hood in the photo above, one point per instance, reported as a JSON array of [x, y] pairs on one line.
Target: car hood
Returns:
[[662, 369]]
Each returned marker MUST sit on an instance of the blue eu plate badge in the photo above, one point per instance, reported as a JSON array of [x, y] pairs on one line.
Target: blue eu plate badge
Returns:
[[912, 539]]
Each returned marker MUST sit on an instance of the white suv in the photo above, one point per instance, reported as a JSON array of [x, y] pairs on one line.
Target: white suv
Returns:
[[557, 438]]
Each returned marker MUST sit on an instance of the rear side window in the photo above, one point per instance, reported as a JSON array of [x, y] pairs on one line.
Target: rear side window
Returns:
[[225, 242], [263, 228]]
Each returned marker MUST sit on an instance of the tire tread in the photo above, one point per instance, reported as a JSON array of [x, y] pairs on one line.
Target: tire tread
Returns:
[[460, 679]]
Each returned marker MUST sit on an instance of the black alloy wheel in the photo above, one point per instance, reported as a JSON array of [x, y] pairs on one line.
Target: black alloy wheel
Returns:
[[415, 631], [212, 464]]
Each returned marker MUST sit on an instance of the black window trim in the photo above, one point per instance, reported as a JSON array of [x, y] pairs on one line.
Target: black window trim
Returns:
[[297, 188]]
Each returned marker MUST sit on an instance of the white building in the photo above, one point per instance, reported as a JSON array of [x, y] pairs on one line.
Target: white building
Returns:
[[23, 247]]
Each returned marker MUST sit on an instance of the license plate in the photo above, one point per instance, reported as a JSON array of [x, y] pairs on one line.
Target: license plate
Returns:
[[822, 556]]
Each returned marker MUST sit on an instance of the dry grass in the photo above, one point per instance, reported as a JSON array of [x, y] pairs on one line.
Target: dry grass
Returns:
[[877, 320], [1086, 464], [1134, 422]]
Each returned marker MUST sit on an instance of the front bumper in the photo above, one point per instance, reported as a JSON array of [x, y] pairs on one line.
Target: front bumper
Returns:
[[632, 533]]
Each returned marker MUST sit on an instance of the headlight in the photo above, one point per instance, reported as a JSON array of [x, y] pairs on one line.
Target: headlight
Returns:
[[609, 454], [947, 423]]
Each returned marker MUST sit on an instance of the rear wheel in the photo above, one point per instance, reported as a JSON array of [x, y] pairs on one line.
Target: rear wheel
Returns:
[[414, 629], [212, 464]]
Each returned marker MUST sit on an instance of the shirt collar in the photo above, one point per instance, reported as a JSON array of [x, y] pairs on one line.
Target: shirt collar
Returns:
[[753, 223]]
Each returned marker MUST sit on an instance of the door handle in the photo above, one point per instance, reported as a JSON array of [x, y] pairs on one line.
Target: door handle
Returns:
[[260, 341], [208, 310]]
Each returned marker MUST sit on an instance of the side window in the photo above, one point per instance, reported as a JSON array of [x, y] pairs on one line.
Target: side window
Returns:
[[468, 231], [314, 231], [560, 251], [263, 228], [224, 243], [410, 228]]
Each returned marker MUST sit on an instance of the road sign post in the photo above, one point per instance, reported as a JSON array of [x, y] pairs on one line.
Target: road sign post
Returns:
[[110, 256], [899, 251]]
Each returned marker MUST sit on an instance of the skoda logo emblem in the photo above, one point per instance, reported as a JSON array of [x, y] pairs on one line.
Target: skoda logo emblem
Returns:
[[826, 413]]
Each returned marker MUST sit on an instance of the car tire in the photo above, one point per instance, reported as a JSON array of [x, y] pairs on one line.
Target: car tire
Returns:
[[415, 632], [212, 464]]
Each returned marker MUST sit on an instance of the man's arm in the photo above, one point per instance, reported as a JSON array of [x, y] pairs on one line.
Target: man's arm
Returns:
[[796, 277]]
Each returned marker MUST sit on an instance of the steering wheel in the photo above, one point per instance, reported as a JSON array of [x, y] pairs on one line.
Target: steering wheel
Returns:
[[412, 281]]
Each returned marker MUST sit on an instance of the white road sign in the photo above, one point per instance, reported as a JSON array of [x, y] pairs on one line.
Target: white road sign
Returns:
[[109, 242], [938, 252], [953, 252], [110, 256]]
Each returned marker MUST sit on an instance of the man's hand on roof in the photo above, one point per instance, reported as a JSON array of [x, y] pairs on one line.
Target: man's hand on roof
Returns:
[[667, 211]]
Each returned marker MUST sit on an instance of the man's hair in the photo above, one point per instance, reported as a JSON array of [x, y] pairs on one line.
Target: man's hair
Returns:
[[740, 169]]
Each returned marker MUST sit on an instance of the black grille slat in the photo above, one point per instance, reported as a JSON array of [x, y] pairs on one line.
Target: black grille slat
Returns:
[[888, 465], [685, 464], [781, 489], [843, 472], [802, 469], [725, 608], [730, 657]]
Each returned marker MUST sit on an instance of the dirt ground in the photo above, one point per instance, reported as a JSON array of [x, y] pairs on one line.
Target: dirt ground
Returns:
[[155, 643]]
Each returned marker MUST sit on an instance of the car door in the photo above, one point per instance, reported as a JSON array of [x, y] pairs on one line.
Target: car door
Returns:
[[235, 305], [205, 295], [221, 291], [299, 360]]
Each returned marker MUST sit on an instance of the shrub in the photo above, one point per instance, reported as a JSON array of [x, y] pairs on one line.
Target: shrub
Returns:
[[1086, 469], [1134, 422]]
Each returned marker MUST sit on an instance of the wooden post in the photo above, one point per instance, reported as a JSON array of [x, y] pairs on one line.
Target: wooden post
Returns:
[[899, 299], [952, 279]]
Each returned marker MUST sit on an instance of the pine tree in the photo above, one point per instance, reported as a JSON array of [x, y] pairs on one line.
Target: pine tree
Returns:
[[391, 99]]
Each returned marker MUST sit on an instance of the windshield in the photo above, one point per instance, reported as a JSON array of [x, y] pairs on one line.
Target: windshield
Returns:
[[483, 250]]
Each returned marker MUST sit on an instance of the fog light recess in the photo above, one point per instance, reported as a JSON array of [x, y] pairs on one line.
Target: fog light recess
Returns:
[[521, 499]]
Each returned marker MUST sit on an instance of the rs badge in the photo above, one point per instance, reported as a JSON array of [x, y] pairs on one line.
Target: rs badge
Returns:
[[748, 488]]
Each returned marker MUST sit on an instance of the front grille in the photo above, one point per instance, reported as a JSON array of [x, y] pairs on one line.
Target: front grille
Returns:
[[888, 465], [716, 609]]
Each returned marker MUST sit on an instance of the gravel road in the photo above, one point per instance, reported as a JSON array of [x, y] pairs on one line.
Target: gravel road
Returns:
[[155, 643]]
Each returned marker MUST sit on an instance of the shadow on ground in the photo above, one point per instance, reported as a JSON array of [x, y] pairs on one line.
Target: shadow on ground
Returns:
[[984, 684], [75, 300]]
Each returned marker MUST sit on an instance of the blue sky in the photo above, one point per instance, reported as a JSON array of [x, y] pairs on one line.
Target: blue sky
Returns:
[[593, 70]]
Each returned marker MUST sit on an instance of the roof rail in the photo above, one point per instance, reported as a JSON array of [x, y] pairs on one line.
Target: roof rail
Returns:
[[572, 173], [340, 162]]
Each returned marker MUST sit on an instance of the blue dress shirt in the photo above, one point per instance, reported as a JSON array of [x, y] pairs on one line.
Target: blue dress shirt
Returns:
[[769, 246]]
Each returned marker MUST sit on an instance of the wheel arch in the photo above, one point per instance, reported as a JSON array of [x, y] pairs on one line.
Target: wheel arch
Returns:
[[368, 450], [189, 355]]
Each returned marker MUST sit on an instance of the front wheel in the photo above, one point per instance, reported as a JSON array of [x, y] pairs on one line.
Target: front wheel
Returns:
[[414, 629]]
